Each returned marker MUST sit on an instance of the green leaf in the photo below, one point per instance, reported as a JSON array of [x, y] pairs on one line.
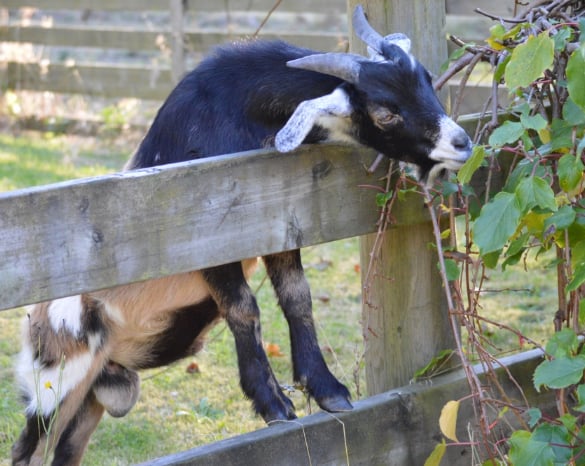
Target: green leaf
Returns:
[[562, 37], [560, 220], [575, 73], [490, 260], [525, 451], [529, 60], [436, 363], [570, 171], [497, 221], [383, 198], [573, 114], [533, 191], [452, 270], [581, 397], [471, 165], [578, 278], [534, 415], [562, 344], [437, 455], [557, 436], [509, 132], [535, 122], [560, 372]]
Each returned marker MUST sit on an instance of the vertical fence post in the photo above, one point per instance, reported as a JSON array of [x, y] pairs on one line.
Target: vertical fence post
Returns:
[[177, 9], [406, 323]]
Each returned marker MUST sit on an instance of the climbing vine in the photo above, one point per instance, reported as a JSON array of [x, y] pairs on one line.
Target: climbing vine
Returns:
[[536, 144]]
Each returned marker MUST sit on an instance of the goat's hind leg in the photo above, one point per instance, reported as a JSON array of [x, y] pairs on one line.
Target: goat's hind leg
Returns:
[[63, 353], [294, 297]]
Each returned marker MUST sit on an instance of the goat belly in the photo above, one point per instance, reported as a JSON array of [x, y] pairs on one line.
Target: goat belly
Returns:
[[185, 334], [172, 335]]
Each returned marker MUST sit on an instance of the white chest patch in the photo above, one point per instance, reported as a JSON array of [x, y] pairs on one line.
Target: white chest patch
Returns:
[[66, 313]]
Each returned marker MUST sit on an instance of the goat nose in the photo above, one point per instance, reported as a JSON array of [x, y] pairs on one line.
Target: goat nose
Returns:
[[461, 141]]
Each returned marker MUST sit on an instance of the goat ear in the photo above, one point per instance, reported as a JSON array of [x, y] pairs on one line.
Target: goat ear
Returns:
[[400, 40], [307, 114]]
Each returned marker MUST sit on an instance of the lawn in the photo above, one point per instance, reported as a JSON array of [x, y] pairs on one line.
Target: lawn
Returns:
[[180, 409]]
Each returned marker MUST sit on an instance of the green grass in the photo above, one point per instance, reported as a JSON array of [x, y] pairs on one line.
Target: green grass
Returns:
[[178, 410]]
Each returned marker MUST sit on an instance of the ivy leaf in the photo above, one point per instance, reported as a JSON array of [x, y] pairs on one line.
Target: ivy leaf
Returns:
[[497, 221], [471, 165], [560, 372], [575, 73], [509, 132], [529, 60], [570, 171], [526, 451], [533, 191], [557, 436]]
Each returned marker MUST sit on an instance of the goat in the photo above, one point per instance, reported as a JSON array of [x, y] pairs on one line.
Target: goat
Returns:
[[244, 96]]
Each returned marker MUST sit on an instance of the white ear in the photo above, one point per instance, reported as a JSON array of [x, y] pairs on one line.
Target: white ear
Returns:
[[399, 39], [307, 114]]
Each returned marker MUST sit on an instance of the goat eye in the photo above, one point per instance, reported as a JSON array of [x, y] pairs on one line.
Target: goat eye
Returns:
[[384, 117]]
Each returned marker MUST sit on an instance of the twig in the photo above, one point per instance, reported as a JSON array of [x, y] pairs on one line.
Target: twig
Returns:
[[266, 18]]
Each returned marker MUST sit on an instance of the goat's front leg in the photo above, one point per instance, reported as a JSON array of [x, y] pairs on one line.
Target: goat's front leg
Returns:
[[294, 296], [235, 300]]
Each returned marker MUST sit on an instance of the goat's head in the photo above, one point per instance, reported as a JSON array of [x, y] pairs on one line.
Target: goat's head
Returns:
[[386, 102]]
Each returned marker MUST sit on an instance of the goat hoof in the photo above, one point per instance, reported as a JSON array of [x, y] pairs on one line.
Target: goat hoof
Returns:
[[337, 404]]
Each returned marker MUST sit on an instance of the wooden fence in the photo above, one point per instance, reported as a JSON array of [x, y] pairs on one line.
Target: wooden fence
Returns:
[[81, 235], [173, 42], [89, 234]]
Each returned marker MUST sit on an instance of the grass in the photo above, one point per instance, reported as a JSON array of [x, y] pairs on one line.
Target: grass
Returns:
[[178, 410]]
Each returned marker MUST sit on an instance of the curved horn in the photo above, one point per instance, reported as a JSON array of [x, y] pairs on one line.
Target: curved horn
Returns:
[[345, 66], [364, 31]]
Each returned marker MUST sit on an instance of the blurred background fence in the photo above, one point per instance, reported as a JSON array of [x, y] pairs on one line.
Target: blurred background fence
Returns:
[[138, 49]]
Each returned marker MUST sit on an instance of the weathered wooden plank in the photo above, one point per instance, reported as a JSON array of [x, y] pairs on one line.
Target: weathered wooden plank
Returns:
[[109, 37], [90, 80], [297, 6], [95, 233], [396, 428]]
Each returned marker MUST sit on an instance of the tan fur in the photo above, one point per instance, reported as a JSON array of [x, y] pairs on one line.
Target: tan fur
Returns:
[[146, 310]]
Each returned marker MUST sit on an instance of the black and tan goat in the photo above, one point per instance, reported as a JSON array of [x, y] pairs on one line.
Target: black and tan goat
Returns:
[[244, 96]]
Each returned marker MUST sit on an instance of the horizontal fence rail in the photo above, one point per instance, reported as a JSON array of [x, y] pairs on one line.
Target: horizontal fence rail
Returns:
[[397, 428], [153, 79], [77, 236]]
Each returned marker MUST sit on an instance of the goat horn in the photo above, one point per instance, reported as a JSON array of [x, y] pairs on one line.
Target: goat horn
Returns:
[[345, 66], [364, 31]]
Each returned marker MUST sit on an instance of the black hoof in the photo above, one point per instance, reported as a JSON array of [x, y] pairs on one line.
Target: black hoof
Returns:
[[336, 404], [281, 409]]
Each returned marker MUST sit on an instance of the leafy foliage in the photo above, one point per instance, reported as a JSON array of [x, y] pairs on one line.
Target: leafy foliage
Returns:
[[538, 142]]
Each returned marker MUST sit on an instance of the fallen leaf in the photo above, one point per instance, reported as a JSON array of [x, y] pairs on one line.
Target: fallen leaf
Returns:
[[193, 368], [273, 350]]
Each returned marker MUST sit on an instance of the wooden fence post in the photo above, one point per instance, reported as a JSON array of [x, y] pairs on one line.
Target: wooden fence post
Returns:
[[177, 10], [406, 320]]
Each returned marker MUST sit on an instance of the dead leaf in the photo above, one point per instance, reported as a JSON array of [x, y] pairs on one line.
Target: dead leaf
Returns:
[[193, 368], [273, 350], [448, 420]]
